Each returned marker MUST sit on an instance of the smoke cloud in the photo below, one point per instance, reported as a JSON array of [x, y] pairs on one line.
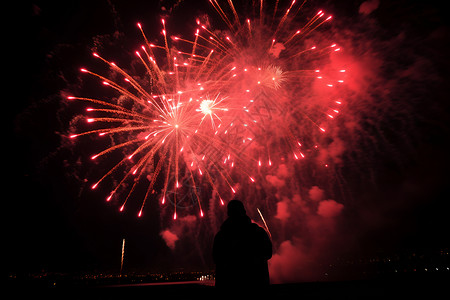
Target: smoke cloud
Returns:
[[275, 181], [329, 208], [368, 7], [170, 238], [283, 210], [315, 193], [308, 226]]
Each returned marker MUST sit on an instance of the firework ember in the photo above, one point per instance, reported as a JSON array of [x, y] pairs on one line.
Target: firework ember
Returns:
[[208, 109]]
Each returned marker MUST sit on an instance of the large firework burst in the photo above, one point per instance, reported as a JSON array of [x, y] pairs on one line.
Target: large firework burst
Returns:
[[216, 108]]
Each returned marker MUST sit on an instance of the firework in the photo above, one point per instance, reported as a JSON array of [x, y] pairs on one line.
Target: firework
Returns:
[[205, 111], [121, 257], [264, 221]]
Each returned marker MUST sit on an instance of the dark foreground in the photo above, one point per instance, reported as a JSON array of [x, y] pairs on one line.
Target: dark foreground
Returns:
[[432, 286]]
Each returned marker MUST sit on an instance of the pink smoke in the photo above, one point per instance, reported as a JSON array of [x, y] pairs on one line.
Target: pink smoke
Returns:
[[309, 229], [170, 238], [329, 208]]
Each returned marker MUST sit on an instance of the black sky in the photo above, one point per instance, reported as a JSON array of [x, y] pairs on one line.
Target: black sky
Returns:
[[53, 225]]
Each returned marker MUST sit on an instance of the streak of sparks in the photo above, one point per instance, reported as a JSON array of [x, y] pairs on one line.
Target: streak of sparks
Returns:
[[264, 221]]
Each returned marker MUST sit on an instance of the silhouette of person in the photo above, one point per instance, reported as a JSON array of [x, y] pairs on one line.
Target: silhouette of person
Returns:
[[241, 250]]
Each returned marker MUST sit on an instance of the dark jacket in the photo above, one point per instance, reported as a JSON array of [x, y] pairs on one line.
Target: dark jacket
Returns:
[[240, 251]]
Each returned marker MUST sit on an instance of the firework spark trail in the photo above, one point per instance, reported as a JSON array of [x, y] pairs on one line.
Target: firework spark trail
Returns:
[[238, 80], [121, 257], [264, 221]]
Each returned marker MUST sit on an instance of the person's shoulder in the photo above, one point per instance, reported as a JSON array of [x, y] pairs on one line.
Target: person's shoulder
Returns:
[[219, 233], [256, 227], [258, 230]]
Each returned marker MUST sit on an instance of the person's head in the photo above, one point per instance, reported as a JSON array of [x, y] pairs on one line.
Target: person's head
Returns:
[[236, 208]]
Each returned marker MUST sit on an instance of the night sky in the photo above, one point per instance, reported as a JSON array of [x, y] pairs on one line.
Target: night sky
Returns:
[[399, 198]]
